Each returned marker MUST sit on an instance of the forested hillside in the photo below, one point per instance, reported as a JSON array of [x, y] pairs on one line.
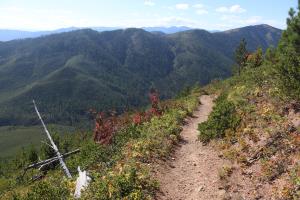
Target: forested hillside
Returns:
[[69, 73]]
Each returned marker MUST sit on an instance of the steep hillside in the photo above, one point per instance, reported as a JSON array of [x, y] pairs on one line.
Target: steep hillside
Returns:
[[69, 73], [256, 124], [257, 128]]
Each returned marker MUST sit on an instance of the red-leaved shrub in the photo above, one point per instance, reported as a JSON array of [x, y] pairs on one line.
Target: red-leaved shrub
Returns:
[[154, 98], [105, 127]]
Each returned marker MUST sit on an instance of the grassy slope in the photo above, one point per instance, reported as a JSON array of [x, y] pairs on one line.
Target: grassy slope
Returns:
[[264, 127]]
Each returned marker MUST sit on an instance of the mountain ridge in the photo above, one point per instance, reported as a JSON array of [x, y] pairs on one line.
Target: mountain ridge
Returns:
[[14, 34], [70, 72]]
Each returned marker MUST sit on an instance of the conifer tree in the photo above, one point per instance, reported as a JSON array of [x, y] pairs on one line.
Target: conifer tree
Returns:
[[288, 67], [241, 55]]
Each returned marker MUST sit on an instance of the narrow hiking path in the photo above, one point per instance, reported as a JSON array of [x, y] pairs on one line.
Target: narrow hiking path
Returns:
[[193, 171]]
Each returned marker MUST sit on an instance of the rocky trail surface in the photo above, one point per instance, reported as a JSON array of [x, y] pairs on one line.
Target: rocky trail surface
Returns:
[[192, 173]]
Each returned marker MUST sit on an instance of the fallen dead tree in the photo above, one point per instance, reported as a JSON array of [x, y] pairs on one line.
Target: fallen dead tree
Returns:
[[40, 165], [59, 157]]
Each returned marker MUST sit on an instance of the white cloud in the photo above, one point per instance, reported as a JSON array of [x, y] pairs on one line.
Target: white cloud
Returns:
[[237, 9], [198, 6], [149, 3], [162, 21], [231, 9], [182, 6], [201, 12], [222, 9], [235, 19], [200, 9]]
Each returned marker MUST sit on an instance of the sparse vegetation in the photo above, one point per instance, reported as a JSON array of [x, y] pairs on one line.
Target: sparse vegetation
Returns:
[[225, 172]]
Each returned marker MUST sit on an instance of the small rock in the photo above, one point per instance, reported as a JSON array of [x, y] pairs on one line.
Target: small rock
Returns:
[[201, 189], [291, 129], [173, 158], [195, 164]]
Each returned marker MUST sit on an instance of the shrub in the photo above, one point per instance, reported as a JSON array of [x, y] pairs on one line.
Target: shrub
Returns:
[[104, 128], [223, 117], [124, 182], [47, 190]]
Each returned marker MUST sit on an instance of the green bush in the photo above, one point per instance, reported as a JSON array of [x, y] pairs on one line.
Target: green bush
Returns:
[[48, 190], [126, 182], [288, 70], [223, 117]]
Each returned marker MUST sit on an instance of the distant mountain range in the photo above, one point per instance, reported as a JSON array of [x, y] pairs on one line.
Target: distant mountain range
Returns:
[[68, 73], [7, 35]]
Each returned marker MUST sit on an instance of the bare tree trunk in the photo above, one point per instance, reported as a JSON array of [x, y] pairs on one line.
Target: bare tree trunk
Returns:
[[50, 160], [60, 158]]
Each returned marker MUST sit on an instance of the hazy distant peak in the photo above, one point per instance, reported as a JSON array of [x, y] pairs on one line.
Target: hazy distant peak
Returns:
[[6, 35]]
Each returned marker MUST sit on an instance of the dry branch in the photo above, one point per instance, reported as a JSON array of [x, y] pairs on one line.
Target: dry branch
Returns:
[[50, 160], [60, 158]]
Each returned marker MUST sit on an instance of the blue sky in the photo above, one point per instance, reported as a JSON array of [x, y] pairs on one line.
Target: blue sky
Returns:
[[204, 14]]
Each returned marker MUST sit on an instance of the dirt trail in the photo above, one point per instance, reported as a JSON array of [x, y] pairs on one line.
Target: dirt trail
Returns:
[[193, 172]]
